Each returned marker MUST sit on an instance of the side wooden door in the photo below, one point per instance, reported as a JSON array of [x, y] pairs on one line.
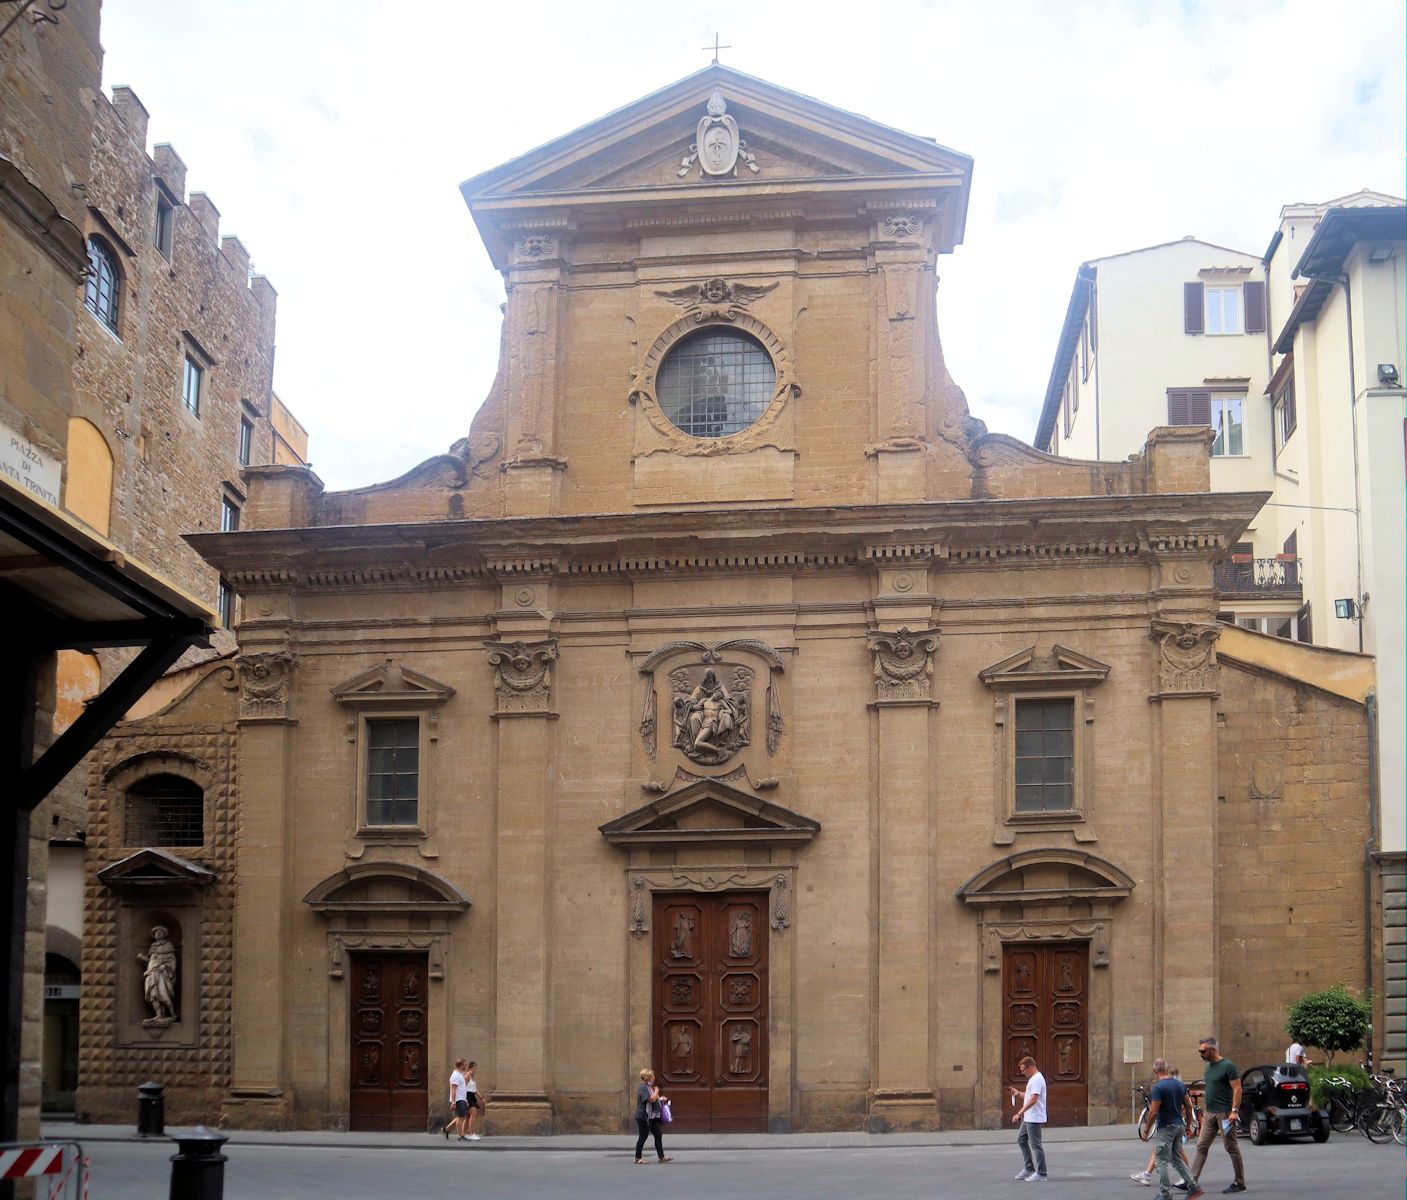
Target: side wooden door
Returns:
[[1045, 1002], [388, 1019], [710, 1010]]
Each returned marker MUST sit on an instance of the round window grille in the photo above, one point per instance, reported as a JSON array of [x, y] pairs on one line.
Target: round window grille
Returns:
[[716, 382]]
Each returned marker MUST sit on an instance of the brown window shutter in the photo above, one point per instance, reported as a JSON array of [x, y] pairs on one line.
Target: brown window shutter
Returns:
[[1253, 293], [1177, 407], [1193, 314], [1199, 408]]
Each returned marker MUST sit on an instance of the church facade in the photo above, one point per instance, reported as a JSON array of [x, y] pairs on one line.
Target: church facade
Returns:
[[728, 701]]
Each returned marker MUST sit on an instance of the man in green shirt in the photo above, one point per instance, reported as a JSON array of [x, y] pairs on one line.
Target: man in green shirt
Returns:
[[1221, 1101]]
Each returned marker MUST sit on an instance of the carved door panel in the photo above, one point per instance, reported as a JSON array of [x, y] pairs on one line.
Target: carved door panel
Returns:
[[710, 1010], [1045, 1001], [389, 1014]]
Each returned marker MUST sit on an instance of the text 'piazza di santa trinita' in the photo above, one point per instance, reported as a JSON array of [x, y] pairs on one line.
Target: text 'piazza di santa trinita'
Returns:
[[725, 699]]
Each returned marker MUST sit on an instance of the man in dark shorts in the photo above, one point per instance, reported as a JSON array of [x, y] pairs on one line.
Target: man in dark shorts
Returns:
[[458, 1101], [1170, 1109], [1220, 1103]]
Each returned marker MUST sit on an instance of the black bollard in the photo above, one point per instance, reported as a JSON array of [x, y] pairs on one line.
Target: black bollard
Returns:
[[198, 1169], [151, 1110]]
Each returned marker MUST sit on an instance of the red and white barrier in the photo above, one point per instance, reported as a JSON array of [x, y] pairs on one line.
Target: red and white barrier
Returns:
[[31, 1160]]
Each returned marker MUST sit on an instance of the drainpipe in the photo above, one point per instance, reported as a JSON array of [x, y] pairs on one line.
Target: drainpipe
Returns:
[[1370, 704]]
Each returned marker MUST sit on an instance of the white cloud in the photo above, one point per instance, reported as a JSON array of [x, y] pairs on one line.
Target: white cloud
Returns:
[[333, 137]]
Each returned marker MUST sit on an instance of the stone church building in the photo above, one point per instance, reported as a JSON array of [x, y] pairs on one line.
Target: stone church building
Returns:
[[730, 701]]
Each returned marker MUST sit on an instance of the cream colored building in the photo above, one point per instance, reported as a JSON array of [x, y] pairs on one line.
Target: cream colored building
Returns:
[[1296, 358], [727, 700]]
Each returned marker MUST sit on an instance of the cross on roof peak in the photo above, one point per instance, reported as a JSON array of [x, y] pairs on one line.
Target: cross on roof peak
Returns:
[[715, 48]]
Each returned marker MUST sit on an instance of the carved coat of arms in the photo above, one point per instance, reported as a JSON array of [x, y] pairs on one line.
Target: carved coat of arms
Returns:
[[717, 145]]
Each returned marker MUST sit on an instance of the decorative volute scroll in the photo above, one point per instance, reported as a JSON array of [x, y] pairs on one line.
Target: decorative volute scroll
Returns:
[[903, 664], [1186, 658], [717, 147], [265, 683], [716, 299], [522, 674], [715, 697]]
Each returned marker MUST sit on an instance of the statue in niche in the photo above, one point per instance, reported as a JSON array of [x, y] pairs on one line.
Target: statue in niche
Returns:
[[682, 945], [159, 977], [711, 722], [740, 934], [741, 1039]]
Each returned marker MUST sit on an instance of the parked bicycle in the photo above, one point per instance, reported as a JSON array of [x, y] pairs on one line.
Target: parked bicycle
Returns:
[[1382, 1116]]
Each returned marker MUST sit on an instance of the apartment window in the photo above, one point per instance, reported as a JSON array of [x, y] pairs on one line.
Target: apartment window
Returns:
[[104, 284], [1224, 413], [229, 515], [165, 220], [246, 441], [393, 771], [226, 605], [164, 810], [192, 384], [1228, 422], [1221, 309], [1045, 755], [1285, 416]]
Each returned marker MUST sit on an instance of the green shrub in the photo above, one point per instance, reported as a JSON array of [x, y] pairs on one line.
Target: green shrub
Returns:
[[1334, 1020], [1319, 1090]]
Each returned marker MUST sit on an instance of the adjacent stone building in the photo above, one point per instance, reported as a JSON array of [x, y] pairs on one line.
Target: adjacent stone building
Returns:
[[729, 700]]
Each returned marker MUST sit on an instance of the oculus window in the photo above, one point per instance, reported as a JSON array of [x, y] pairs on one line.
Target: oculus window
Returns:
[[716, 382]]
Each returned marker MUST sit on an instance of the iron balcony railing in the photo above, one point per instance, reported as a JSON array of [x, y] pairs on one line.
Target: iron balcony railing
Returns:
[[1259, 578]]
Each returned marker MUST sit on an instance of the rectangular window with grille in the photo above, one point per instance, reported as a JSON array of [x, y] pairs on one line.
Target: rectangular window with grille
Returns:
[[164, 810], [393, 771], [1045, 755]]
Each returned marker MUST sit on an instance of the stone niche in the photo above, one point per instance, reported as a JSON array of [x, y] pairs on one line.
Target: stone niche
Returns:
[[158, 891]]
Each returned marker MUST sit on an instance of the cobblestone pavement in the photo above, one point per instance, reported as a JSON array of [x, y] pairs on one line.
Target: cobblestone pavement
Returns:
[[346, 1167]]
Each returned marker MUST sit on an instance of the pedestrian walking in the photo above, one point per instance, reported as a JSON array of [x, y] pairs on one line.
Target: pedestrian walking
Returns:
[[1170, 1112], [647, 1117], [1145, 1177], [472, 1100], [1031, 1116], [1295, 1054], [458, 1107], [1221, 1100]]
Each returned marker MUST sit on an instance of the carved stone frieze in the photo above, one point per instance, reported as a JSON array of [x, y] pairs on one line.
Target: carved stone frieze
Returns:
[[716, 299], [903, 663], [712, 699], [339, 943], [994, 933], [717, 147], [1186, 657], [777, 883], [265, 683], [522, 674]]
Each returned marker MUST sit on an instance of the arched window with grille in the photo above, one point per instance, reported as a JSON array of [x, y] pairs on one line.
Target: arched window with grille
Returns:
[[164, 810], [104, 283]]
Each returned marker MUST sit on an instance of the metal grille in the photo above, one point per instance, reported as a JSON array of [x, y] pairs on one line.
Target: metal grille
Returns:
[[165, 810], [1045, 755], [715, 383]]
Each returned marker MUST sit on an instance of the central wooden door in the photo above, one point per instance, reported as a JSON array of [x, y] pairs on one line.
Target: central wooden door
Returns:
[[388, 1019], [1045, 1014], [710, 1010]]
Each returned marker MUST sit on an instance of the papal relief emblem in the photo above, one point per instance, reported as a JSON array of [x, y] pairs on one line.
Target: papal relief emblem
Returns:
[[714, 699]]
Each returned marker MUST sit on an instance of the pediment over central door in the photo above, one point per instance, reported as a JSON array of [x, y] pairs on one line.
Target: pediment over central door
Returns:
[[709, 813], [1046, 876]]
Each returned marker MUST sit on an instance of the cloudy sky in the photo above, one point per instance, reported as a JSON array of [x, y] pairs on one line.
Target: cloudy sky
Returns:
[[332, 137]]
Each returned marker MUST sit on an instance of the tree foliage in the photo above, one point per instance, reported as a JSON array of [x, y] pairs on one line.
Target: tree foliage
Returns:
[[1334, 1020]]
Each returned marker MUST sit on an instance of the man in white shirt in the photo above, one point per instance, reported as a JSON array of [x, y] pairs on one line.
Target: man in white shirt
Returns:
[[1295, 1054], [457, 1101], [1031, 1116]]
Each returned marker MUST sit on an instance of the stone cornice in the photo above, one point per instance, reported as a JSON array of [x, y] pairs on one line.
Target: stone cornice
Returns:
[[1096, 528]]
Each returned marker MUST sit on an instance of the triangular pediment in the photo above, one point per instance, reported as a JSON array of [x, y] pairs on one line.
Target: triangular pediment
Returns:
[[391, 684], [646, 140], [152, 868], [1028, 668], [709, 813]]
